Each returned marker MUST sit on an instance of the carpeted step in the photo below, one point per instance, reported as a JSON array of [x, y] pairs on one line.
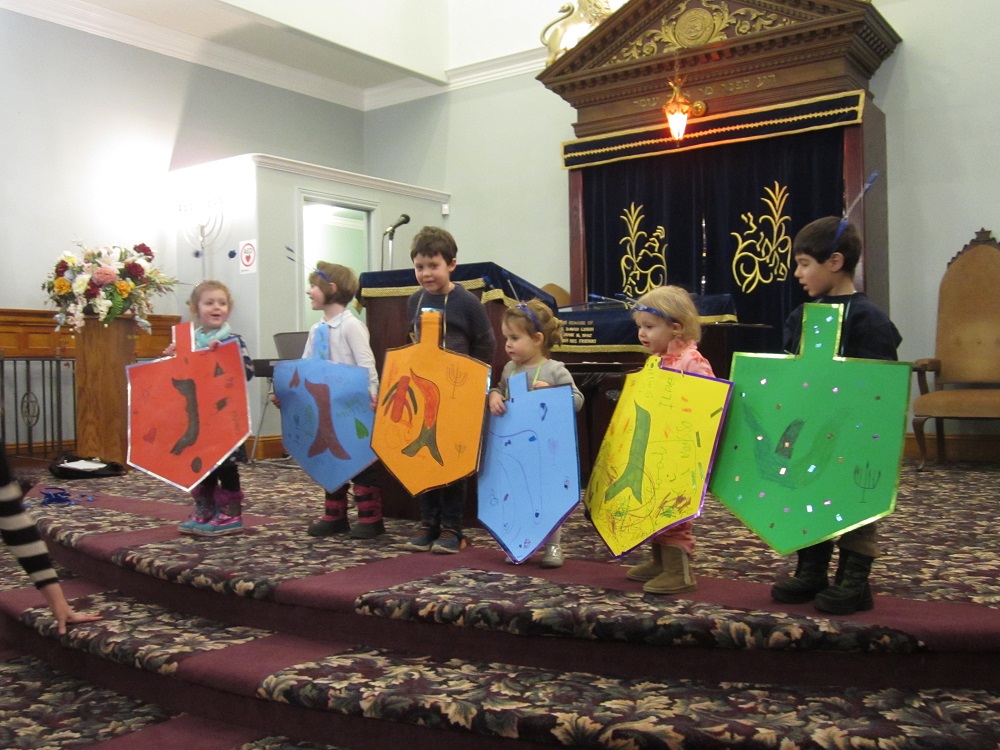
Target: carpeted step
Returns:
[[529, 606], [367, 592], [42, 708], [351, 694]]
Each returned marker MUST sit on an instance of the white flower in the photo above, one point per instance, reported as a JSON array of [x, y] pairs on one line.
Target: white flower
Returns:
[[80, 283], [101, 306], [72, 285]]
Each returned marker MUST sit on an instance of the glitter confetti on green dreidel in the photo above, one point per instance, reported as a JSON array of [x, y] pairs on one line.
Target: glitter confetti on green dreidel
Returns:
[[812, 443]]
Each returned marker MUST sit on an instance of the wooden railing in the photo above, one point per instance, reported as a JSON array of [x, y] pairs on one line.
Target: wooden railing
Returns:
[[37, 389], [32, 333]]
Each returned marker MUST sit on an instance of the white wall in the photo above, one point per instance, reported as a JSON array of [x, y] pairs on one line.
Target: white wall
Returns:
[[485, 29], [938, 94], [496, 149], [410, 35], [91, 128]]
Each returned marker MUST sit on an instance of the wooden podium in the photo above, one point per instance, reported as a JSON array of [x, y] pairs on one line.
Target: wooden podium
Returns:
[[102, 354]]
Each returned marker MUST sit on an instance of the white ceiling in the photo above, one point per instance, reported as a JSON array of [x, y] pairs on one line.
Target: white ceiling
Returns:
[[222, 36]]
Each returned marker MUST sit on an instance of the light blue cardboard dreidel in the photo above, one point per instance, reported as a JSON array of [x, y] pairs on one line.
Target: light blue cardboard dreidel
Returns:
[[326, 418], [812, 443], [529, 474]]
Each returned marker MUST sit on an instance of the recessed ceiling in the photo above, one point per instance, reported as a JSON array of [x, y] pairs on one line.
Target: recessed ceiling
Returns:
[[220, 35]]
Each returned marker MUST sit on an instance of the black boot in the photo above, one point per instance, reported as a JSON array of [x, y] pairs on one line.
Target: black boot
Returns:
[[810, 576], [851, 592]]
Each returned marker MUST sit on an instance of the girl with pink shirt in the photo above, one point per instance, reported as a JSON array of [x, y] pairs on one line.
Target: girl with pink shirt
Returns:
[[669, 328]]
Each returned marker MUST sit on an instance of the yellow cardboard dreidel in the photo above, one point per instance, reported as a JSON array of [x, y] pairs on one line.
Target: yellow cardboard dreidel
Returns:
[[431, 407], [652, 469]]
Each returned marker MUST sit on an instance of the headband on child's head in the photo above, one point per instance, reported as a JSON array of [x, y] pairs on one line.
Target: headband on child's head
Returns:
[[636, 307], [295, 259], [534, 319], [847, 212]]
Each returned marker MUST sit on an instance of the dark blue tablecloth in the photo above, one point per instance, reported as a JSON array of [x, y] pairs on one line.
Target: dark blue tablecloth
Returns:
[[488, 276]]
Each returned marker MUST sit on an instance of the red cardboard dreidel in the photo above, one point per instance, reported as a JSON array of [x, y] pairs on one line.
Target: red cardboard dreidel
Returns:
[[431, 408], [187, 412]]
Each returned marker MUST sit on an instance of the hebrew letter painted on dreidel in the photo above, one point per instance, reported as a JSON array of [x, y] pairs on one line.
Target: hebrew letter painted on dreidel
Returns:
[[652, 469], [187, 412], [529, 476], [431, 404], [326, 418], [812, 443]]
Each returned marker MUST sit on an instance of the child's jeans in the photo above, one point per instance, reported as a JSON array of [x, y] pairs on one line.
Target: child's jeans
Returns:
[[444, 507]]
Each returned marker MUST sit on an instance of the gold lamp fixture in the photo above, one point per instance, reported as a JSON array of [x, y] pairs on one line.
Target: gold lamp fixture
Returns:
[[679, 108]]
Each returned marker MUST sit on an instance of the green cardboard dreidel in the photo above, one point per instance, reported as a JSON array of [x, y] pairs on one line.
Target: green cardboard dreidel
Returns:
[[812, 442]]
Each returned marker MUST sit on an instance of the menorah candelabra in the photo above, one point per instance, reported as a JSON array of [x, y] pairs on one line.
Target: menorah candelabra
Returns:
[[201, 224]]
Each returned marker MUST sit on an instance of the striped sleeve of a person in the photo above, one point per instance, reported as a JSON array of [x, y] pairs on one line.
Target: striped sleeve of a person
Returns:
[[21, 535]]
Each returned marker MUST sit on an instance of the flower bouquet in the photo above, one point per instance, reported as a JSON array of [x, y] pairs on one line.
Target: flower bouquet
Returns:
[[107, 282]]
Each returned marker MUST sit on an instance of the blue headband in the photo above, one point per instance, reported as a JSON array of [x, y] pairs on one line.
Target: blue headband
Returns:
[[653, 311], [847, 212], [323, 276], [527, 311]]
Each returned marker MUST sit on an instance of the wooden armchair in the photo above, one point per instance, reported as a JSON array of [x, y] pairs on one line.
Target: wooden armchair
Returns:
[[966, 363]]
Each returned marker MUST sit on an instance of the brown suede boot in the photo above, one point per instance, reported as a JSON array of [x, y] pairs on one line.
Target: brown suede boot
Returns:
[[648, 570], [676, 577]]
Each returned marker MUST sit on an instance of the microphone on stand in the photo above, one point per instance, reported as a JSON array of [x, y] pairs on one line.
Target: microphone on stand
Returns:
[[403, 219]]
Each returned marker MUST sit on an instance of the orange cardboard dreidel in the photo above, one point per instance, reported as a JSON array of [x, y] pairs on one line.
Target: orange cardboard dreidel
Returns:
[[431, 406]]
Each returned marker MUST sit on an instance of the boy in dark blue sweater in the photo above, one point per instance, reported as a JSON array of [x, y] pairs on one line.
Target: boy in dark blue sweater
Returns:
[[826, 253]]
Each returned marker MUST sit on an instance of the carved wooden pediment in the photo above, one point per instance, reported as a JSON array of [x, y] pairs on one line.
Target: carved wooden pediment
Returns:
[[731, 54]]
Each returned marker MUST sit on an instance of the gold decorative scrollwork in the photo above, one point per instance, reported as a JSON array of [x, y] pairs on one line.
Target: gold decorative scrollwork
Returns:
[[764, 250], [706, 22], [643, 268]]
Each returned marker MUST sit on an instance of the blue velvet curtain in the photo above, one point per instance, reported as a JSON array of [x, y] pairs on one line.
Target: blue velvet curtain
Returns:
[[722, 217]]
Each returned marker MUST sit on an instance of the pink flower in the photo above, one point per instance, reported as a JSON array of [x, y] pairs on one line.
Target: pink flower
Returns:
[[104, 275]]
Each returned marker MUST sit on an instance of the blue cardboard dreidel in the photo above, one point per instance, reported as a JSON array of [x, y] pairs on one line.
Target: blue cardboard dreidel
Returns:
[[812, 444], [326, 418], [529, 475]]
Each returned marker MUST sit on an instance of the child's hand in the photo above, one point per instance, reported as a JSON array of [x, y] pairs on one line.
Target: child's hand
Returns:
[[213, 344], [497, 406], [171, 350], [373, 401], [541, 384], [275, 400]]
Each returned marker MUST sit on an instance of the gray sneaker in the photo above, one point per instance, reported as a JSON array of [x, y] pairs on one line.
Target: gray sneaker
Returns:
[[553, 556], [423, 540], [448, 543]]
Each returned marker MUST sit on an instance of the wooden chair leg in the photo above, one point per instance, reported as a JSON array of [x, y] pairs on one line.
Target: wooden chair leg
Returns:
[[939, 430], [918, 433]]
